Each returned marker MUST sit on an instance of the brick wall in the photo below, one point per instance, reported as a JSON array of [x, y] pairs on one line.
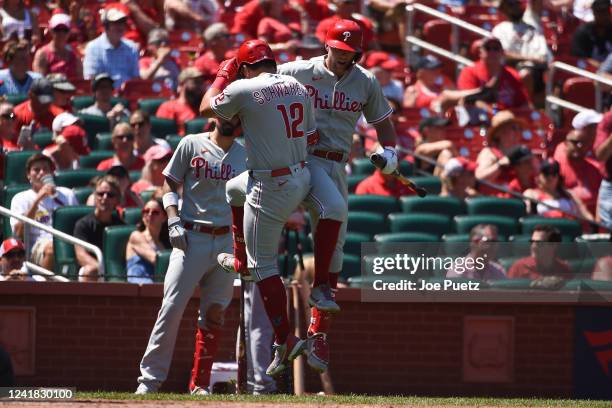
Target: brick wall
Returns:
[[92, 336]]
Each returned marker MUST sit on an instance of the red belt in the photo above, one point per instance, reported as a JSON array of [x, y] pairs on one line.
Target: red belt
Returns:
[[285, 171], [205, 229], [329, 155]]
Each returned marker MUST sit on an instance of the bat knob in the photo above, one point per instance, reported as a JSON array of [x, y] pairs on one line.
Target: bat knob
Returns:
[[421, 192], [378, 160]]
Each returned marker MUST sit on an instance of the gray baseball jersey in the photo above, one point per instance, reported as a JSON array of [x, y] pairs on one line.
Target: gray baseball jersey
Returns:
[[203, 168], [276, 115], [339, 104]]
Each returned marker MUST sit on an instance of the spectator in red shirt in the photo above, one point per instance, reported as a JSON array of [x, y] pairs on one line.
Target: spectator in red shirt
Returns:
[[315, 10], [8, 138], [581, 174], [383, 185], [432, 143], [429, 90], [158, 63], [523, 164], [187, 106], [38, 110], [63, 91], [57, 57], [218, 44], [123, 145], [543, 261], [511, 92], [348, 10], [603, 153], [259, 12], [458, 178]]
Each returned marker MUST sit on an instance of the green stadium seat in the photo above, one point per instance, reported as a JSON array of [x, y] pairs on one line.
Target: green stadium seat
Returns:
[[353, 240], [432, 184], [351, 266], [511, 284], [363, 166], [76, 178], [304, 240], [64, 219], [366, 282], [93, 125], [570, 228], [373, 203], [150, 105], [115, 241], [406, 237], [104, 141], [42, 139], [8, 193], [16, 99], [366, 222], [135, 175], [509, 207], [15, 167], [161, 127], [450, 206], [173, 140], [415, 243], [146, 195], [161, 265], [83, 101], [430, 223], [505, 225], [456, 237], [507, 262], [353, 180], [286, 264], [195, 126], [94, 158], [83, 193], [456, 244], [132, 216], [588, 285]]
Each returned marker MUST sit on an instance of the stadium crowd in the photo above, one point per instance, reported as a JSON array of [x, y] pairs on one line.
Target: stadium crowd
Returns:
[[100, 93]]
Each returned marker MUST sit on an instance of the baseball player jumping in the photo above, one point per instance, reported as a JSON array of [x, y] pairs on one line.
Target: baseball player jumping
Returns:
[[277, 117], [341, 91], [202, 164]]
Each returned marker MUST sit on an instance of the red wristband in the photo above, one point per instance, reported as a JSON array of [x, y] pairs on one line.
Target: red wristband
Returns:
[[220, 83]]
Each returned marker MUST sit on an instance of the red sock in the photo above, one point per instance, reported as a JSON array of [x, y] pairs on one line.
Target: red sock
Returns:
[[207, 344], [275, 302], [325, 239], [240, 257], [320, 322]]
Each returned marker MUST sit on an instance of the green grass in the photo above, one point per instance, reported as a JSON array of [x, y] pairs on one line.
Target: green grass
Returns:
[[351, 399]]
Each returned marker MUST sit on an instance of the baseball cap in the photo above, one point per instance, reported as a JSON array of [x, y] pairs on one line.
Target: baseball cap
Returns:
[[428, 62], [43, 89], [77, 138], [114, 12], [550, 167], [61, 83], [118, 171], [62, 120], [490, 40], [156, 152], [458, 165], [104, 76], [519, 153], [586, 118], [189, 73], [432, 121], [59, 19], [157, 35], [9, 245], [214, 30]]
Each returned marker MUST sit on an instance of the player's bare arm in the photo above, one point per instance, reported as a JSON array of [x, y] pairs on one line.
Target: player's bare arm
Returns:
[[385, 132]]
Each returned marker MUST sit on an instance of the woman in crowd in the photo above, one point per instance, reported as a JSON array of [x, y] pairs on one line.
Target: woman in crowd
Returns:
[[57, 57]]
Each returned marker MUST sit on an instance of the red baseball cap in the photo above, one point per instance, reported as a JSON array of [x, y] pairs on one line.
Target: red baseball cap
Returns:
[[9, 245], [76, 136]]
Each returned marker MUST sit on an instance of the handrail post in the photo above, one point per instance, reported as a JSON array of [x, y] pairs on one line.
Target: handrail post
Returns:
[[598, 97], [410, 28], [549, 88]]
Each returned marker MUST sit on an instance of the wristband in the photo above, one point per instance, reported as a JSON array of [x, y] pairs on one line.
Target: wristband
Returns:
[[169, 199]]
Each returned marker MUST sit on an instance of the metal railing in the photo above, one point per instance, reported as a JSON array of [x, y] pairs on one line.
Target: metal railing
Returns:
[[562, 66], [59, 234]]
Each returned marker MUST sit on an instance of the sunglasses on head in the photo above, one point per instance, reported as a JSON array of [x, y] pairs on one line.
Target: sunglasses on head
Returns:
[[8, 115], [129, 137], [15, 254], [108, 194], [151, 211]]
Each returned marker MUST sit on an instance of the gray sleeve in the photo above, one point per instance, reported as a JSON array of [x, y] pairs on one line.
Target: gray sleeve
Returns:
[[227, 104], [310, 123], [376, 108], [180, 162]]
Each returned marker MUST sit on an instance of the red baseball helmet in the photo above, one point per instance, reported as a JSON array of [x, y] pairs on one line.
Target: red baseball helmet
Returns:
[[345, 35], [254, 51]]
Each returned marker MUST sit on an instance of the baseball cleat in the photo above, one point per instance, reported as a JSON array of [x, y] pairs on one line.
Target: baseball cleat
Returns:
[[284, 353], [318, 352], [143, 389], [321, 298], [199, 391], [227, 263]]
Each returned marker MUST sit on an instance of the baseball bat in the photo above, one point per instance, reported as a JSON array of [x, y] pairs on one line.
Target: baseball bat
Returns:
[[242, 356], [379, 162]]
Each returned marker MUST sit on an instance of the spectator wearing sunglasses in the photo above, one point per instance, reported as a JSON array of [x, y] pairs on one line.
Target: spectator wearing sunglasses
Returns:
[[542, 261], [91, 227], [150, 237], [580, 171], [143, 140], [57, 56], [490, 70], [479, 262], [123, 145], [158, 62]]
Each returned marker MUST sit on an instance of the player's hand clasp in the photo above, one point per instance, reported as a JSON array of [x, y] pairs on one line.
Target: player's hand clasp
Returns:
[[177, 234], [390, 155]]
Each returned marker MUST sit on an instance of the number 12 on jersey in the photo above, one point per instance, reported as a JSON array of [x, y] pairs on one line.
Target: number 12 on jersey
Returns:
[[297, 116]]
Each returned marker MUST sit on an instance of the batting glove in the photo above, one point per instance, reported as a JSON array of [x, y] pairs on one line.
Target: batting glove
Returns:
[[390, 156], [177, 234], [228, 69]]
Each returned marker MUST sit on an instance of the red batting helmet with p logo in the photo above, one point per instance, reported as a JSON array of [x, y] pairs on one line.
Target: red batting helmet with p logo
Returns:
[[345, 35], [254, 51]]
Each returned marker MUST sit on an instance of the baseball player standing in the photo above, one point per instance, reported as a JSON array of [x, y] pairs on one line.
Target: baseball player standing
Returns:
[[277, 117], [202, 164]]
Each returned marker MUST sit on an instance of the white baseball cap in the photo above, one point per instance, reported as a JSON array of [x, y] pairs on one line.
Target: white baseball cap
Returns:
[[586, 118], [59, 19], [62, 120]]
